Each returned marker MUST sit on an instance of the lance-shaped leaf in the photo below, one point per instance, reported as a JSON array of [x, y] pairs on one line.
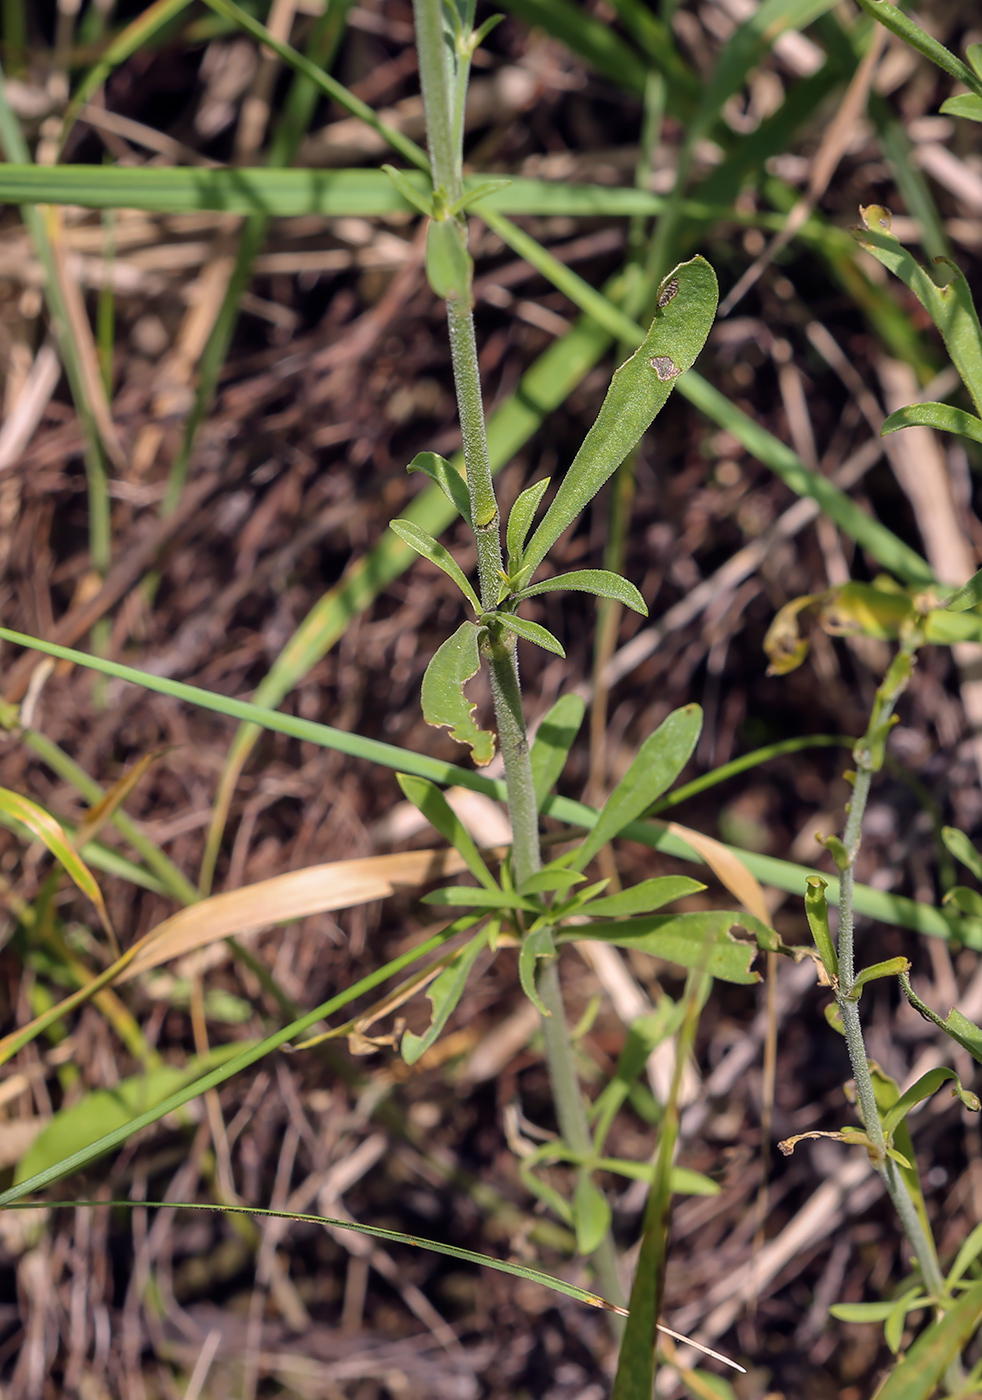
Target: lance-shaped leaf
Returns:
[[448, 478], [963, 104], [52, 834], [520, 519], [591, 1214], [965, 900], [444, 995], [538, 944], [658, 763], [433, 550], [879, 1312], [409, 192], [643, 898], [940, 416], [439, 813], [638, 391], [950, 307], [552, 743], [923, 1088], [961, 847], [969, 1252], [466, 896], [445, 705], [968, 596], [551, 877], [601, 582], [701, 941], [532, 632], [959, 1027]]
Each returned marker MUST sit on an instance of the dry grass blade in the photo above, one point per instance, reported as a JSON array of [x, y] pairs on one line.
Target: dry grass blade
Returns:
[[338, 885], [102, 811], [728, 869]]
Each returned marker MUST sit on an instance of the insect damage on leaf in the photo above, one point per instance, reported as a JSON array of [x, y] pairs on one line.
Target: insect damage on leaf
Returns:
[[665, 367], [445, 705]]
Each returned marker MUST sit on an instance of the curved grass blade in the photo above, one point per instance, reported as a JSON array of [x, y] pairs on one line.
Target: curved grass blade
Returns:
[[52, 835], [940, 416], [926, 1361], [894, 19], [466, 1256]]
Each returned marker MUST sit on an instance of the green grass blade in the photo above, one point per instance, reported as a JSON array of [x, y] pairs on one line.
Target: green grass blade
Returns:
[[894, 19], [783, 874], [40, 1180], [328, 85], [925, 1362], [466, 1256], [746, 761]]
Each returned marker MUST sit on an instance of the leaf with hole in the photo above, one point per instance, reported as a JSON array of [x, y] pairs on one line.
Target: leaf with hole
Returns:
[[701, 941], [638, 391], [447, 477], [445, 706], [656, 765], [601, 582], [432, 550], [444, 994], [553, 740]]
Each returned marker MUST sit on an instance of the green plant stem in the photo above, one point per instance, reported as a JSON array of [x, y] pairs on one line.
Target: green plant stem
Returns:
[[480, 483], [868, 758], [570, 1111], [434, 75]]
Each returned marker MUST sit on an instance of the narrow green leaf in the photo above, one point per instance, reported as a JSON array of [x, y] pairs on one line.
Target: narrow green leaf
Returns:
[[959, 1027], [432, 550], [957, 842], [102, 1111], [409, 192], [968, 596], [643, 898], [877, 1312], [466, 896], [638, 390], [444, 994], [455, 662], [890, 968], [531, 632], [483, 189], [969, 1252], [817, 913], [601, 582], [894, 19], [964, 104], [535, 945], [701, 941], [950, 306], [934, 1350], [549, 878], [552, 743], [894, 1324], [438, 812], [940, 416], [448, 478], [520, 519], [657, 764], [591, 1214], [923, 1088], [449, 267], [967, 900]]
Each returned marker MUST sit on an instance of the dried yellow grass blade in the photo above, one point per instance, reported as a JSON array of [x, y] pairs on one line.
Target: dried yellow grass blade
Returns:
[[51, 834], [103, 810], [728, 869], [338, 885]]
